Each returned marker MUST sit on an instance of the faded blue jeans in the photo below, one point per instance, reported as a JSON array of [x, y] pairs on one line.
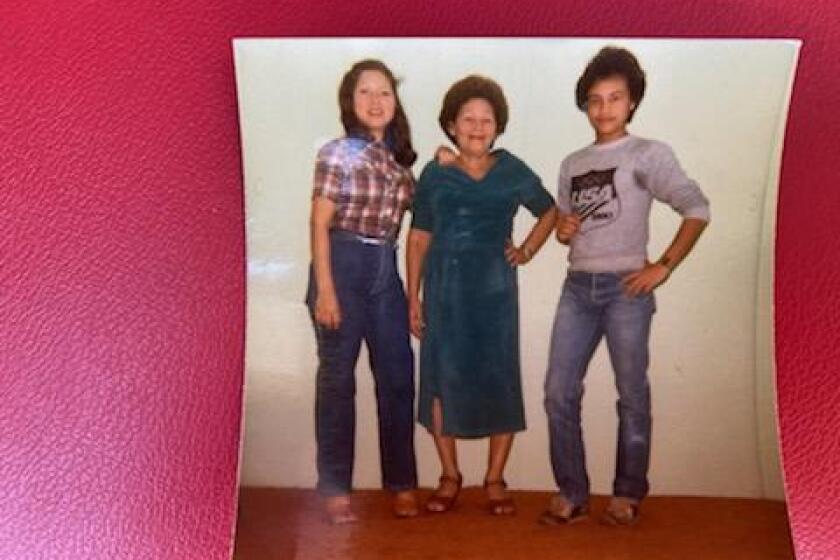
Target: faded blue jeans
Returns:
[[374, 309], [592, 307]]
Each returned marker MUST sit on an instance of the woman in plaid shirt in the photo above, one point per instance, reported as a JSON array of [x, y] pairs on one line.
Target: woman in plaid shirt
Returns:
[[362, 187]]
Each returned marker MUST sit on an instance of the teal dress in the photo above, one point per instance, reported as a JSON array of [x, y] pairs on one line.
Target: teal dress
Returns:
[[469, 354]]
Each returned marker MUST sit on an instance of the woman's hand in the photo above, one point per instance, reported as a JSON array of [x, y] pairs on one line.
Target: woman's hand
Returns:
[[327, 310], [415, 317], [445, 156], [517, 255], [645, 280], [415, 255]]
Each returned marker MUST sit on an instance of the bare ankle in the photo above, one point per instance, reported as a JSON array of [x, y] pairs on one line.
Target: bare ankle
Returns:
[[622, 503], [340, 500], [338, 510], [409, 494], [560, 505]]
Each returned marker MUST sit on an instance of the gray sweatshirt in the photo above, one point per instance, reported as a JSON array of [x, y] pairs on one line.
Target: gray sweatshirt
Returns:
[[611, 187]]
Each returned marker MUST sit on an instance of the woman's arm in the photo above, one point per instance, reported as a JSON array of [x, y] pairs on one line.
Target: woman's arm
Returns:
[[327, 311], [415, 257], [535, 240]]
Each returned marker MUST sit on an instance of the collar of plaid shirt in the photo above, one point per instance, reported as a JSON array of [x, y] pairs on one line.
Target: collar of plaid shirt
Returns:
[[388, 140]]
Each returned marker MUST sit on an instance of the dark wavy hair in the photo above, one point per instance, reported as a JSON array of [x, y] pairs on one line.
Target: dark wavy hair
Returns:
[[398, 133], [467, 89], [609, 62]]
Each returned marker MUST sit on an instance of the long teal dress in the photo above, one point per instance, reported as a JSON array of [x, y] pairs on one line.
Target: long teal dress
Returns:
[[469, 354]]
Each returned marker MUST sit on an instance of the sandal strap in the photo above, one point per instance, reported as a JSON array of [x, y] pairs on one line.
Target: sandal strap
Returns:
[[446, 478], [628, 516], [445, 503], [501, 482], [577, 513]]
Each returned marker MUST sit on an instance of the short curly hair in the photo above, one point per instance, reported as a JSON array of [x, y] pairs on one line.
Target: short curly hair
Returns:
[[467, 89], [612, 61]]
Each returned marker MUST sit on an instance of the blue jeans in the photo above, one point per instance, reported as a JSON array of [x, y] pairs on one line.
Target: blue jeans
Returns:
[[591, 307], [373, 307]]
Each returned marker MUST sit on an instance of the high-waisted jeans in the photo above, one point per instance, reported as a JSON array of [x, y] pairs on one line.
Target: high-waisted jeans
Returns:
[[591, 307], [373, 307]]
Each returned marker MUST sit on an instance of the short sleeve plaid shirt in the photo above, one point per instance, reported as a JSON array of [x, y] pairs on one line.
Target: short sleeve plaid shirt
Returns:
[[371, 190]]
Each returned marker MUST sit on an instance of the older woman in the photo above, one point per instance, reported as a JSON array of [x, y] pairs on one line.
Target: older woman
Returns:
[[460, 248]]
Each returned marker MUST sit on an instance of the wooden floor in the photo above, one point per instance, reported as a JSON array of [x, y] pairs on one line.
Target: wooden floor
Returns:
[[287, 524]]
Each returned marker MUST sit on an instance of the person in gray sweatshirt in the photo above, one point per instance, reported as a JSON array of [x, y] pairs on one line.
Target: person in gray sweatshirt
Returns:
[[605, 193]]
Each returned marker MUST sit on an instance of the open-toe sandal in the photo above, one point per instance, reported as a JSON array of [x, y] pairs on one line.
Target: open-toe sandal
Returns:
[[499, 506], [565, 515], [438, 503], [339, 513], [405, 505], [624, 517]]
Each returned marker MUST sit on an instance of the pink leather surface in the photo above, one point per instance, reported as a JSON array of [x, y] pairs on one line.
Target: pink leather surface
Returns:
[[122, 257]]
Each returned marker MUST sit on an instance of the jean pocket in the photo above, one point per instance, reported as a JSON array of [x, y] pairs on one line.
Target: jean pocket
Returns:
[[647, 300]]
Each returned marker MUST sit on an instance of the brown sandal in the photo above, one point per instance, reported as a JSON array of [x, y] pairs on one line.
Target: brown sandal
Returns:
[[499, 506], [622, 514], [339, 512], [405, 505], [577, 513], [563, 512], [441, 504]]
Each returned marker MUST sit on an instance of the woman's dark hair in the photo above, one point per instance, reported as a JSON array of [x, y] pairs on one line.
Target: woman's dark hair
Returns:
[[473, 87], [609, 62], [398, 133]]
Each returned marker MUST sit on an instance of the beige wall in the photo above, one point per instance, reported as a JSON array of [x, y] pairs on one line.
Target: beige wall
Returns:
[[720, 104]]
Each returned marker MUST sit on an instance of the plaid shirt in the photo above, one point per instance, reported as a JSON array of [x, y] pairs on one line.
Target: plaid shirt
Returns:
[[371, 190]]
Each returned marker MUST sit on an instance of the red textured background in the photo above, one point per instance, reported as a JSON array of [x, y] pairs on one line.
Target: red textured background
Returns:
[[122, 256]]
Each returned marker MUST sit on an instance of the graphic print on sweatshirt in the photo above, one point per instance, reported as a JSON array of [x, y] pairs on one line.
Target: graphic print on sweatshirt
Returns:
[[595, 199]]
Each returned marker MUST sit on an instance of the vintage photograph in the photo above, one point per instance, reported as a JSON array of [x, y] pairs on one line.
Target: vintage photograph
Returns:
[[567, 245]]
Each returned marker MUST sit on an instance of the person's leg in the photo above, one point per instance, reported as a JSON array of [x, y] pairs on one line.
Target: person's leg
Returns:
[[494, 481], [449, 486], [335, 411], [499, 450], [575, 335], [338, 351], [392, 363], [335, 408], [627, 326]]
